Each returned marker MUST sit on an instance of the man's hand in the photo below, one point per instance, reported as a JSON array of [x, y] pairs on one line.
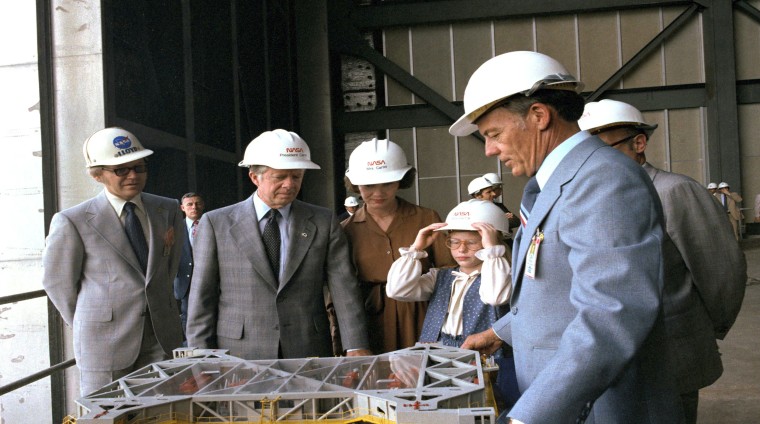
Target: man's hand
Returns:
[[359, 352], [486, 342]]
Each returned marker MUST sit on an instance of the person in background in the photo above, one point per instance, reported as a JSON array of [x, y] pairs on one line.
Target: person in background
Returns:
[[261, 265], [489, 187], [585, 322], [378, 169], [712, 188], [193, 206], [729, 200], [705, 270], [109, 263], [466, 299], [351, 204]]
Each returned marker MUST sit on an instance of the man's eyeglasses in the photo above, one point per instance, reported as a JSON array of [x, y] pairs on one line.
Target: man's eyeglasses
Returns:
[[630, 137], [123, 172], [456, 244]]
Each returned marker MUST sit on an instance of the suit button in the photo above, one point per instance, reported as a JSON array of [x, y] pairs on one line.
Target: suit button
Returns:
[[514, 310]]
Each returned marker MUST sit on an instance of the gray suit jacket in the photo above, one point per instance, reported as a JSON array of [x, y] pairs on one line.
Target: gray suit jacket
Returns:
[[236, 303], [705, 277], [589, 328], [93, 278]]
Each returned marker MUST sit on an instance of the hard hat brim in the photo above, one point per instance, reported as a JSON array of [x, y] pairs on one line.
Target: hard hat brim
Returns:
[[385, 177], [129, 157], [303, 164]]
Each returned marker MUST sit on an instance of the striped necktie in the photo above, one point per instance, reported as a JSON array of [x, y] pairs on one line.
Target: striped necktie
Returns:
[[529, 198]]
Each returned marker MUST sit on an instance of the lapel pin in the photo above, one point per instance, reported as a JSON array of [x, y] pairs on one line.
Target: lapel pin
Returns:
[[304, 235]]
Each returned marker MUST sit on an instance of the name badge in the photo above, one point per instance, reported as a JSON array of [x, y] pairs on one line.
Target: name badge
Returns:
[[532, 258]]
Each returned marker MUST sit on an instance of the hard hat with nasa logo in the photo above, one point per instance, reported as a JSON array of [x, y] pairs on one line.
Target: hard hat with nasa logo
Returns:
[[278, 149], [608, 113], [113, 146], [377, 162], [723, 185], [466, 213], [508, 74], [351, 202], [712, 186], [477, 184]]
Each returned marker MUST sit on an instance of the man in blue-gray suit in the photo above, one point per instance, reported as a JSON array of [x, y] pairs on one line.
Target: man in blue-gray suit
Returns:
[[262, 266], [586, 319], [705, 269]]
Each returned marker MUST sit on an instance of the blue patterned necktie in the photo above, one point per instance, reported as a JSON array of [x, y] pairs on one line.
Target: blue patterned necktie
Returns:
[[271, 238], [136, 236], [529, 198]]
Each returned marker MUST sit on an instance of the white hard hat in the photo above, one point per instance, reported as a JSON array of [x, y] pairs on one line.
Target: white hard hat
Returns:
[[612, 113], [377, 162], [351, 201], [475, 210], [493, 178], [520, 72], [723, 185], [278, 149], [477, 184], [712, 186], [113, 146]]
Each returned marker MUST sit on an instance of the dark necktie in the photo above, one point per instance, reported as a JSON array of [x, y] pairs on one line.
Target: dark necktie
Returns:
[[529, 198], [136, 236], [271, 237]]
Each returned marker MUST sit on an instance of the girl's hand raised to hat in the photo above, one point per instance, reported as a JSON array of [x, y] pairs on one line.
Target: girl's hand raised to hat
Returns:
[[427, 236], [489, 235]]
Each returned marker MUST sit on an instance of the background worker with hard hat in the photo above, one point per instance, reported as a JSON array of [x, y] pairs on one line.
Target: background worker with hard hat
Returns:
[[351, 204], [729, 199], [109, 263], [585, 320], [705, 270], [378, 169], [466, 299], [261, 264], [489, 187]]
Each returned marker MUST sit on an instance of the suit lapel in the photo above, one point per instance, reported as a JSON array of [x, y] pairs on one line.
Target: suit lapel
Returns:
[[158, 236], [564, 173], [103, 219], [302, 232], [246, 235]]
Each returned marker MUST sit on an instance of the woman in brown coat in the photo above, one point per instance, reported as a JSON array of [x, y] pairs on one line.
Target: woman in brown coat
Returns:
[[378, 169]]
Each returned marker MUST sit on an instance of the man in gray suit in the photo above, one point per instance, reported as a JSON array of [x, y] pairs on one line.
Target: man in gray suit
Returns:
[[705, 270], [261, 264], [586, 322], [109, 264]]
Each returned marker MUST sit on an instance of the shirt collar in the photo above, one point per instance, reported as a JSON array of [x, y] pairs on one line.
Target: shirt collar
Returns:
[[554, 158], [117, 203], [262, 208]]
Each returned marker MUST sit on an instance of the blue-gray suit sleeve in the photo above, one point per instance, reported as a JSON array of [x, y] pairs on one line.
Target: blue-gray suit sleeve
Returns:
[[62, 261]]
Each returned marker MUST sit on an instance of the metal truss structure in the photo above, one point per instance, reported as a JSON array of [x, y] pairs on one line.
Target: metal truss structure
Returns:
[[421, 384]]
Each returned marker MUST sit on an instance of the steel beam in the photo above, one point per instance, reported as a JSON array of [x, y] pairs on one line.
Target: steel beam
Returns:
[[747, 8], [425, 13], [642, 54], [425, 115], [723, 145]]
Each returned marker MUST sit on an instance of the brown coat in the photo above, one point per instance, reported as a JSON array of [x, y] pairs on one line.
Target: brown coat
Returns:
[[392, 325]]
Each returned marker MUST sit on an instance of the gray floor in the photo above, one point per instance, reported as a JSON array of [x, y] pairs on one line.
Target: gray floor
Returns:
[[735, 397]]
